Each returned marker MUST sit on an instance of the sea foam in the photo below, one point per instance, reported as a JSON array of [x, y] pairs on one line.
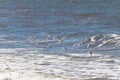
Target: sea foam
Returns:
[[45, 66]]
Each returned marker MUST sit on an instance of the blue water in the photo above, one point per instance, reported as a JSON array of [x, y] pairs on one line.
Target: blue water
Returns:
[[28, 23]]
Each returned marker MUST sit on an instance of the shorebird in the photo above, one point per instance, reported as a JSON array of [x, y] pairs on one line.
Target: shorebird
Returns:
[[90, 53], [31, 38], [62, 39]]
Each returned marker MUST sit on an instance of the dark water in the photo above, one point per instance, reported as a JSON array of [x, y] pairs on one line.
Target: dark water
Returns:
[[61, 25]]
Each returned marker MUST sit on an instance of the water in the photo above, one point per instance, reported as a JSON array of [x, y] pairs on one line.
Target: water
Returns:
[[61, 27]]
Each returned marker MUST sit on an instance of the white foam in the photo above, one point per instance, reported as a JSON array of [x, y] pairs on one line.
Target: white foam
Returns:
[[57, 67]]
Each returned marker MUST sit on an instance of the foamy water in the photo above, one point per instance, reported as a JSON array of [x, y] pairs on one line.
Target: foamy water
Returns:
[[50, 39], [48, 66]]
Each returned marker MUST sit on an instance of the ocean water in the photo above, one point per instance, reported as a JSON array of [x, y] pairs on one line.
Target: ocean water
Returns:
[[62, 33]]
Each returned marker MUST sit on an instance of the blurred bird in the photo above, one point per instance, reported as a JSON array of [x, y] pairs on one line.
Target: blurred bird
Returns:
[[31, 38], [90, 53]]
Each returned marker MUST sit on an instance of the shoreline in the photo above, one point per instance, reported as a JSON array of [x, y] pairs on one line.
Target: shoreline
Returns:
[[58, 67]]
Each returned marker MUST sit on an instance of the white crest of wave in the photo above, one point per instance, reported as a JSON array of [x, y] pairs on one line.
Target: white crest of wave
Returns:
[[45, 66]]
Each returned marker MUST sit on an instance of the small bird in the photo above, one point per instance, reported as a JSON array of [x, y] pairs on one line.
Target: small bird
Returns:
[[64, 49], [31, 38], [62, 39], [90, 53]]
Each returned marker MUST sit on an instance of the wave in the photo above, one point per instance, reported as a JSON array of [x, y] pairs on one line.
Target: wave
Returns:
[[102, 41], [65, 66]]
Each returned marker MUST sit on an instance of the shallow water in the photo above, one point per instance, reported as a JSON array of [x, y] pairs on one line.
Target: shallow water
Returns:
[[60, 34], [16, 65]]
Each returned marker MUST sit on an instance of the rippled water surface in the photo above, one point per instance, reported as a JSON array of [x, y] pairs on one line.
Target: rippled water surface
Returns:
[[57, 25], [60, 39]]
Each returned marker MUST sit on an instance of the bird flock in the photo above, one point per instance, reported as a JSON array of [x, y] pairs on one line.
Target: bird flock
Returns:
[[96, 41]]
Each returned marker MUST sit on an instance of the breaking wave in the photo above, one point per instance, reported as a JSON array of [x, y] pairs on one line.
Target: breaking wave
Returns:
[[36, 65]]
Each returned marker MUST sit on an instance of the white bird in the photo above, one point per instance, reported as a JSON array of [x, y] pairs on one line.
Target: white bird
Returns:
[[62, 39], [31, 38], [90, 53], [108, 42]]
